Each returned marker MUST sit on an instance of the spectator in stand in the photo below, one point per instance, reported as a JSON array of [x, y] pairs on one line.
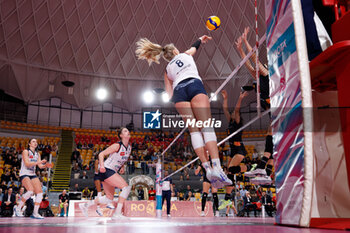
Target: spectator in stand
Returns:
[[239, 200], [175, 191], [44, 208], [4, 153], [76, 169], [14, 174], [8, 158], [86, 193], [55, 148], [243, 191], [6, 176], [7, 204], [46, 152], [84, 176], [181, 178], [248, 205], [75, 156], [90, 145], [267, 202], [3, 186], [133, 193], [187, 177], [187, 191], [180, 196], [86, 167], [269, 192], [19, 194], [189, 196], [76, 188], [16, 163], [151, 194], [140, 193], [1, 195], [64, 203]]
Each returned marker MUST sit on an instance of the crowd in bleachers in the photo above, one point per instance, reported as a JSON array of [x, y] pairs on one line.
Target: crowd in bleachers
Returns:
[[10, 163]]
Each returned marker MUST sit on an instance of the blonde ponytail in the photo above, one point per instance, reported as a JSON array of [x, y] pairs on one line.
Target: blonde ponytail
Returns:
[[152, 52]]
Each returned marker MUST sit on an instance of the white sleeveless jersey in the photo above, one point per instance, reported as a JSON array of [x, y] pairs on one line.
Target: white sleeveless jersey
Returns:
[[29, 171], [117, 159], [181, 67]]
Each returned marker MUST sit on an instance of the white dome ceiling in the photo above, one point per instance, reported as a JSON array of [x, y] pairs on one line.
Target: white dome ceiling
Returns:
[[92, 43]]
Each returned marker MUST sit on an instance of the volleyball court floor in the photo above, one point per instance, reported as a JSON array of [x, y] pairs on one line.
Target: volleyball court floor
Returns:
[[149, 225]]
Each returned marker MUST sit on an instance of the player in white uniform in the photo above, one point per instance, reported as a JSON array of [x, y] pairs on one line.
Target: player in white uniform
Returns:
[[185, 88], [31, 159], [118, 154]]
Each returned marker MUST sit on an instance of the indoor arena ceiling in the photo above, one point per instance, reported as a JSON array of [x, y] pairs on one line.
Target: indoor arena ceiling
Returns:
[[92, 43]]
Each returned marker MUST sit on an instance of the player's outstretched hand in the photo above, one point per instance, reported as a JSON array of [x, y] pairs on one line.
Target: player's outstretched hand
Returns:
[[205, 38]]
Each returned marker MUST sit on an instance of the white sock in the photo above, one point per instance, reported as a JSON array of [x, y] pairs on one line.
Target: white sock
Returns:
[[119, 209], [216, 163], [206, 165], [99, 194], [36, 209]]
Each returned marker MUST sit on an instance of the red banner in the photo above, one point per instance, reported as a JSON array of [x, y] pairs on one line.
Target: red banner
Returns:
[[178, 209], [148, 209]]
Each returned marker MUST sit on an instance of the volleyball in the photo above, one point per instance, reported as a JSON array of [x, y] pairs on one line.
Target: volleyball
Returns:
[[213, 23]]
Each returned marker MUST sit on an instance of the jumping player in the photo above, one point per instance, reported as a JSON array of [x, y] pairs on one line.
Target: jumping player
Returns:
[[185, 88], [260, 171], [206, 187], [31, 159], [110, 170], [238, 151]]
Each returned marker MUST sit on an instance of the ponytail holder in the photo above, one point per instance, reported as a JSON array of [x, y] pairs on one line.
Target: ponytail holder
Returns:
[[163, 49]]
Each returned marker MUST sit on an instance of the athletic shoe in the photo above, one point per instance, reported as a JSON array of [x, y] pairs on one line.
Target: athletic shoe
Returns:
[[84, 209], [217, 214], [256, 172], [18, 212], [222, 176], [261, 180], [253, 167], [202, 214], [224, 204], [213, 176], [168, 215], [110, 206], [99, 211], [37, 216]]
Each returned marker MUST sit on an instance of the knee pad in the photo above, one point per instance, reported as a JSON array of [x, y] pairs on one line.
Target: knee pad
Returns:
[[232, 178], [204, 196], [269, 144], [125, 192], [27, 195], [209, 134], [234, 169], [39, 198], [197, 140], [215, 196]]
